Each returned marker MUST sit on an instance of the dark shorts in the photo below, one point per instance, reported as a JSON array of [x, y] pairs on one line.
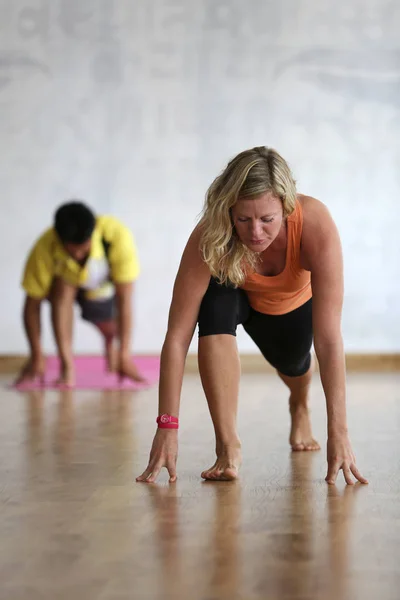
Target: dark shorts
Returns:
[[284, 340], [96, 311]]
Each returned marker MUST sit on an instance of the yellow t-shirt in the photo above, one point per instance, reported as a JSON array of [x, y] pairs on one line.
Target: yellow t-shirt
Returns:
[[48, 259]]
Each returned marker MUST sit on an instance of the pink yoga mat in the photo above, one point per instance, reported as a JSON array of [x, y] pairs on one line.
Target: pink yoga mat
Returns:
[[91, 374]]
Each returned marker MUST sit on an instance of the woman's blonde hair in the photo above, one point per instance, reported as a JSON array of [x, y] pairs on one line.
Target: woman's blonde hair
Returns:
[[250, 174]]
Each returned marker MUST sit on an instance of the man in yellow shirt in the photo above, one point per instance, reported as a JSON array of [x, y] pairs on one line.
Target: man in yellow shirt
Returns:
[[91, 260]]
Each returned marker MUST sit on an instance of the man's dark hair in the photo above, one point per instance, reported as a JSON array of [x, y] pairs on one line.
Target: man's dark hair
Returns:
[[74, 223]]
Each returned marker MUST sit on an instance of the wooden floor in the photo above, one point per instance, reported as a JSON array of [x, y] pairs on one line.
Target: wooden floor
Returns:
[[74, 525]]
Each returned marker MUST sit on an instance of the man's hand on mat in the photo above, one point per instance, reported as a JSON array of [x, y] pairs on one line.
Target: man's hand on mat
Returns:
[[164, 453], [340, 457], [127, 368], [33, 369]]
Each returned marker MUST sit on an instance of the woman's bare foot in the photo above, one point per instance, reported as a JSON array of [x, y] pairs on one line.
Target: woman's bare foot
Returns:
[[227, 465], [300, 434]]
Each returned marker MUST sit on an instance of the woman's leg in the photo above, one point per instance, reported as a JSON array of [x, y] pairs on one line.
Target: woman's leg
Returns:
[[285, 341], [301, 437], [220, 373], [221, 311]]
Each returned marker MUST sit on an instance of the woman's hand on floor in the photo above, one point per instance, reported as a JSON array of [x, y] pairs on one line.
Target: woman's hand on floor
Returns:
[[340, 457], [164, 453]]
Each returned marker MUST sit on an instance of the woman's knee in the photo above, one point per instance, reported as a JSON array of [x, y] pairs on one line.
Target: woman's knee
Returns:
[[300, 369]]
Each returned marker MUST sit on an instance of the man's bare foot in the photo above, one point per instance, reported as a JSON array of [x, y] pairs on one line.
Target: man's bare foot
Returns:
[[300, 434], [66, 377], [227, 465]]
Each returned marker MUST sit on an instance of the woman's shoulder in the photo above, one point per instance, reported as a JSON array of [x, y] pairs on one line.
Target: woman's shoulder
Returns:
[[309, 203], [318, 225], [315, 212], [192, 254]]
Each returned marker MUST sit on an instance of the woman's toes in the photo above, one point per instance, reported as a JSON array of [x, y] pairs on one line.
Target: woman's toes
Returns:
[[313, 445]]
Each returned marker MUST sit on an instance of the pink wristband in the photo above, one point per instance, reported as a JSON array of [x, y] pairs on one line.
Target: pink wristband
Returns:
[[167, 422]]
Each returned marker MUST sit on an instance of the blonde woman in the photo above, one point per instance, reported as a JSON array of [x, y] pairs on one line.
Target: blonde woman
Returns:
[[270, 259]]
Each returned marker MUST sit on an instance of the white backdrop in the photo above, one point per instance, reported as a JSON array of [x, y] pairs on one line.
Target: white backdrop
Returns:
[[136, 106]]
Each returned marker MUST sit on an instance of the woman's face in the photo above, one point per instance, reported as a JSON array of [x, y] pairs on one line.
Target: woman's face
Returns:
[[258, 220]]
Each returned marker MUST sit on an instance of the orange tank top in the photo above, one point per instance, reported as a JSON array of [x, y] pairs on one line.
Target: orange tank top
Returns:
[[290, 289]]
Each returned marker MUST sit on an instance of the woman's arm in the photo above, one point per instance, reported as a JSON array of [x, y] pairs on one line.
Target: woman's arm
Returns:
[[321, 254], [190, 286]]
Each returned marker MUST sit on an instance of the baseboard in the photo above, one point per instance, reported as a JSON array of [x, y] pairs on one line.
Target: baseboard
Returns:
[[373, 362], [355, 362], [254, 363]]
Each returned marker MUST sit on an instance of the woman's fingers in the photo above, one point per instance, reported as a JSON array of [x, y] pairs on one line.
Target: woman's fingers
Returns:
[[347, 475], [333, 470], [154, 474], [145, 474], [357, 474], [172, 472]]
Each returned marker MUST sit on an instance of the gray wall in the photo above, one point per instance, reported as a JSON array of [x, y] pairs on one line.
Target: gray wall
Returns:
[[136, 105]]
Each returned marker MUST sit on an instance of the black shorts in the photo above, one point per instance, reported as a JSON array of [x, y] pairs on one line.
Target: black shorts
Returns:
[[284, 340], [96, 311]]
